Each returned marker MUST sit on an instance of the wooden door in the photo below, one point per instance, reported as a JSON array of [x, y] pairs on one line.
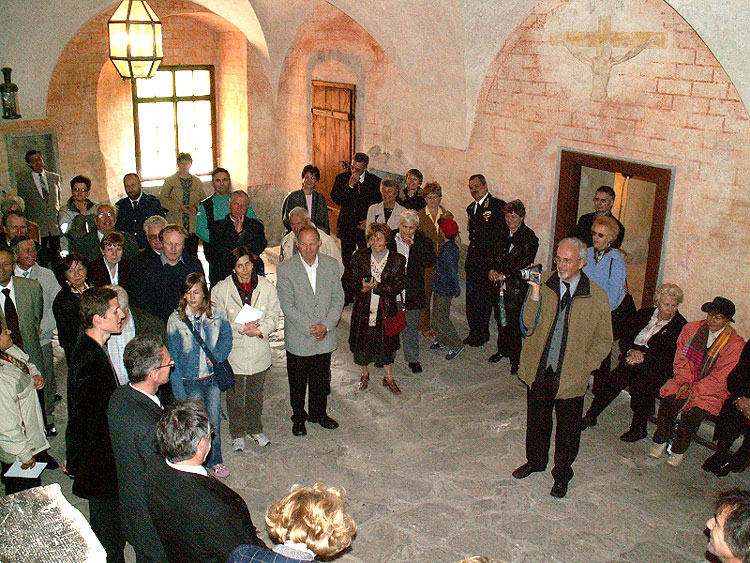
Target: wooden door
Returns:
[[567, 203], [332, 136]]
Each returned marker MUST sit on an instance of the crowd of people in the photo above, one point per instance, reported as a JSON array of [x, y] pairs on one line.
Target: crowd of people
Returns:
[[151, 342]]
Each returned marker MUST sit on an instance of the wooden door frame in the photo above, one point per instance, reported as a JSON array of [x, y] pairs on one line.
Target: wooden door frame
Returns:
[[333, 208], [565, 208]]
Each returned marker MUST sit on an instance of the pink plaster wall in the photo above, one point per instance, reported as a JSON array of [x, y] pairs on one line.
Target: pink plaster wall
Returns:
[[672, 105]]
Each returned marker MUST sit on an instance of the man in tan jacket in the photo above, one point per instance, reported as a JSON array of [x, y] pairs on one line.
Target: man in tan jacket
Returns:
[[568, 332]]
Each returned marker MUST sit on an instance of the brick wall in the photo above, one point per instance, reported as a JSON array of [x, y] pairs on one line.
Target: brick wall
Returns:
[[673, 105]]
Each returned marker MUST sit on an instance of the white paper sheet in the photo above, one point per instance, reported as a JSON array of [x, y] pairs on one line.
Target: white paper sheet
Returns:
[[31, 473], [248, 314]]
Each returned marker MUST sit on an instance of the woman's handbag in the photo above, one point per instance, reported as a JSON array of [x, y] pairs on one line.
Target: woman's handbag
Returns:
[[222, 370], [393, 326]]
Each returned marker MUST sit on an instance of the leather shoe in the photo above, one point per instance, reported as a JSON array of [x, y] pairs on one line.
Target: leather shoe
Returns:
[[514, 369], [58, 397], [524, 471], [634, 435], [559, 489], [494, 358], [325, 422], [714, 462], [415, 367], [298, 429], [44, 457], [391, 384], [588, 421], [51, 430]]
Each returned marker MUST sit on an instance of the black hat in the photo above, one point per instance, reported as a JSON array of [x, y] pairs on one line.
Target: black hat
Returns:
[[720, 305]]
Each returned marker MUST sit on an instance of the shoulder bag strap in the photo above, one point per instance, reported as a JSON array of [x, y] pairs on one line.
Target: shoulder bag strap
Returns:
[[201, 343]]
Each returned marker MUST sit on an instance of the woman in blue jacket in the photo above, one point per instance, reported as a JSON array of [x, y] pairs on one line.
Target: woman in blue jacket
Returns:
[[193, 375]]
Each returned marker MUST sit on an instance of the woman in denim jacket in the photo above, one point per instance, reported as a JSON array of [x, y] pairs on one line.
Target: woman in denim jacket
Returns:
[[193, 376]]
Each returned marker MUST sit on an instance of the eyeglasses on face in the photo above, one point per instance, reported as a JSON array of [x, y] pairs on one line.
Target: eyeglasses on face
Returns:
[[717, 316], [598, 234], [564, 261], [104, 214], [170, 365]]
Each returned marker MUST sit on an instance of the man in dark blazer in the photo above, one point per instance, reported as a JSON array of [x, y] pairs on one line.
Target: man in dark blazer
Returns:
[[604, 199], [40, 190], [89, 245], [132, 211], [91, 382], [354, 191], [198, 518], [158, 287], [486, 225], [133, 413], [236, 229], [311, 296]]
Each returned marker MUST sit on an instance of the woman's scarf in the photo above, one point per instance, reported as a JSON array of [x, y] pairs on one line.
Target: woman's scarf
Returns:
[[701, 359], [376, 270]]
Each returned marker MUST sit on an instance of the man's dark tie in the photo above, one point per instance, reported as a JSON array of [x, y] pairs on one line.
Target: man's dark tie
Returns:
[[565, 300], [45, 188], [11, 319], [135, 204]]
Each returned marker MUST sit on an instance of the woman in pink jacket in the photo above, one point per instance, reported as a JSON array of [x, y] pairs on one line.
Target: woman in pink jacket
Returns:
[[707, 351]]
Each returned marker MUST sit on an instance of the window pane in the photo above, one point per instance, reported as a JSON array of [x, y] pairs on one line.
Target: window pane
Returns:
[[201, 82], [184, 82], [156, 131], [194, 127], [158, 86]]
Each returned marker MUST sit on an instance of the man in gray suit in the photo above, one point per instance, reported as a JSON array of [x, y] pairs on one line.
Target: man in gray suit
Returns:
[[25, 256], [40, 189], [312, 298], [22, 309]]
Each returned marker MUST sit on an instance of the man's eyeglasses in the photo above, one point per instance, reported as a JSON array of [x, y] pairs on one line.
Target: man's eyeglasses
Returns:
[[170, 365], [104, 214], [597, 234], [564, 261]]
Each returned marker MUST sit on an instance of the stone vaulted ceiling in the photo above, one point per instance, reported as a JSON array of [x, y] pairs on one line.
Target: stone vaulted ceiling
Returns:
[[443, 46]]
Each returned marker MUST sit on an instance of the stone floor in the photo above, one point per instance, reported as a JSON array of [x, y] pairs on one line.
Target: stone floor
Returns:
[[428, 472]]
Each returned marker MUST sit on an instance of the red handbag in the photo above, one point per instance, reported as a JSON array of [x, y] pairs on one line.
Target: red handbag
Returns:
[[393, 326]]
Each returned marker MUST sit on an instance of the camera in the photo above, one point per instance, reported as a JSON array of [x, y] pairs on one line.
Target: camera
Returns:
[[368, 279], [532, 273]]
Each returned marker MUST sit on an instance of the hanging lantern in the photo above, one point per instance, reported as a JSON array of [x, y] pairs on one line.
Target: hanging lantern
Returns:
[[9, 93], [135, 39]]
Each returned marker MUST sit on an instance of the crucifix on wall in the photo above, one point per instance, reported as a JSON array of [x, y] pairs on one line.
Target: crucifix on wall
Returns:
[[603, 41]]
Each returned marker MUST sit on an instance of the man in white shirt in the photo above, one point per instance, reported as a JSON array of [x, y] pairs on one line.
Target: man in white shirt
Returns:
[[298, 218], [25, 256], [133, 413], [312, 298]]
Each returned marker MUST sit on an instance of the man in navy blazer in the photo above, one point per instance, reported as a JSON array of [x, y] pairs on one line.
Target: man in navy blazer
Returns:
[[133, 210], [198, 518], [312, 298], [133, 413]]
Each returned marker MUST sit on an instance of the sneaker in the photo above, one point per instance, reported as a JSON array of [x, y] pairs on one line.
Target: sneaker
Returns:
[[657, 451], [453, 353], [220, 470], [675, 459], [260, 439], [436, 345], [238, 444]]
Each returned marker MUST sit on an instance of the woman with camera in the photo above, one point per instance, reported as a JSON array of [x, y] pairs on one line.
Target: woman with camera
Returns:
[[513, 253]]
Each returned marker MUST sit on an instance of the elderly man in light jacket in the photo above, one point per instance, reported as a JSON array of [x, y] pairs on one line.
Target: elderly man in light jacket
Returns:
[[298, 218], [312, 299]]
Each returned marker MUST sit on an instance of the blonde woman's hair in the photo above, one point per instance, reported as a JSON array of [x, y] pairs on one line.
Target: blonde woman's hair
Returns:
[[668, 290], [314, 516]]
